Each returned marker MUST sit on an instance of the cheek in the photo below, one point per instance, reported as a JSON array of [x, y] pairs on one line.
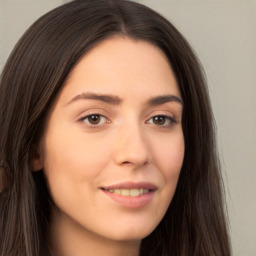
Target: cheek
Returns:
[[169, 158], [72, 164], [73, 157]]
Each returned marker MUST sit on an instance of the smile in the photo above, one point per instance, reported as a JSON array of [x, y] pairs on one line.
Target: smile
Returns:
[[129, 192]]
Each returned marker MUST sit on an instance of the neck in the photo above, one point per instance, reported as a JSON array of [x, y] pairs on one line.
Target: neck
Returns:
[[68, 238]]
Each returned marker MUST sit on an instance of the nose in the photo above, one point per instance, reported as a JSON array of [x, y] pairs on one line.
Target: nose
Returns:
[[131, 147]]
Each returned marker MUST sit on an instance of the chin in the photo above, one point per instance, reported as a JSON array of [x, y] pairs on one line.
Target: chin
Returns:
[[130, 233]]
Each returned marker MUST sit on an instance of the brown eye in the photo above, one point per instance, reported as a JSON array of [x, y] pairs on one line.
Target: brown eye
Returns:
[[162, 120], [94, 119], [159, 120]]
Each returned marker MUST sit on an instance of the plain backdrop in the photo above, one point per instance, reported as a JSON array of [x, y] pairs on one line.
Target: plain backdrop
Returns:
[[223, 34]]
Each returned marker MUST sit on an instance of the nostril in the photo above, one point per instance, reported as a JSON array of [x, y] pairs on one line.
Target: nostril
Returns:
[[126, 163]]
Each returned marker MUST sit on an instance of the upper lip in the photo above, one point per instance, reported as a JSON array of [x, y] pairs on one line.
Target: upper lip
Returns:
[[131, 185]]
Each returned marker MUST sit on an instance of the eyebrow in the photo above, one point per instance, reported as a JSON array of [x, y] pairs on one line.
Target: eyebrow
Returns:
[[111, 99], [115, 100], [159, 100]]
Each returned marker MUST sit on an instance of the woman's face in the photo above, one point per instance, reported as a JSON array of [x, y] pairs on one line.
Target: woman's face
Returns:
[[113, 146]]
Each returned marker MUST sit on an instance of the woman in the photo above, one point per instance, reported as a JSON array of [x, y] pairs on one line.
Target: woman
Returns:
[[107, 139]]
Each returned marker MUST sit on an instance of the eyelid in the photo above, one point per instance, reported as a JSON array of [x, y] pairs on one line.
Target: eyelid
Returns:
[[163, 112]]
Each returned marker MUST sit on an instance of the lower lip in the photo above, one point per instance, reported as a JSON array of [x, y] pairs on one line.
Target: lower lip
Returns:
[[130, 201]]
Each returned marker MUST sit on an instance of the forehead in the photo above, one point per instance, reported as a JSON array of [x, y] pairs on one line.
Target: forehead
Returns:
[[125, 67]]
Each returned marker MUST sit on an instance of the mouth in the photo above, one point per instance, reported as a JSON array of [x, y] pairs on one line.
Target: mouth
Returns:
[[130, 194]]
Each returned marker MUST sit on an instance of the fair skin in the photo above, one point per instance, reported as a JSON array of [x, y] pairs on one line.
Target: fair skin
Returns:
[[96, 147]]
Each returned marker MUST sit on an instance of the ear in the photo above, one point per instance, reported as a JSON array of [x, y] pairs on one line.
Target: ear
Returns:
[[36, 159]]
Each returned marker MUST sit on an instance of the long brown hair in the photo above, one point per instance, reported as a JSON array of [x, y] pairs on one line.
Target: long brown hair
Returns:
[[195, 223]]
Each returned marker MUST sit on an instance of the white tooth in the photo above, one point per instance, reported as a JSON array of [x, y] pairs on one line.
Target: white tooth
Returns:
[[125, 192], [117, 191], [129, 192], [134, 192]]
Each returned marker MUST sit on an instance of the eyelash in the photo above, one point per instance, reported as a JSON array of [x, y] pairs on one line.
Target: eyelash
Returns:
[[83, 119], [169, 121]]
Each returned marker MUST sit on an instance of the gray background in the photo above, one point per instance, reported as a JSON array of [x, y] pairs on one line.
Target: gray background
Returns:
[[223, 33]]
